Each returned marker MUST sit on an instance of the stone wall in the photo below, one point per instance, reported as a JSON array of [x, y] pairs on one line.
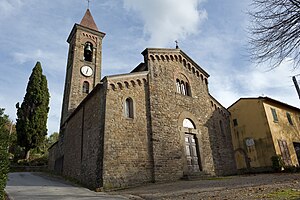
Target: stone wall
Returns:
[[83, 140], [127, 158], [167, 107], [56, 156]]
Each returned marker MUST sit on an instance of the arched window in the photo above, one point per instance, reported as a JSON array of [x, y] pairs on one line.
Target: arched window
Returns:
[[129, 108], [187, 123], [188, 89], [178, 89], [183, 88], [88, 52], [86, 87]]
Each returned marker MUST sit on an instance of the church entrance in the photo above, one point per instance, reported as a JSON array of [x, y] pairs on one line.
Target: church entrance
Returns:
[[191, 149]]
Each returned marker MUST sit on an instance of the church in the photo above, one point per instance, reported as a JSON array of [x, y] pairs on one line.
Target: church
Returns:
[[157, 123]]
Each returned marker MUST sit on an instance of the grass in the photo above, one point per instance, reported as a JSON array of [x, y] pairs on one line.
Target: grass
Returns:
[[289, 194]]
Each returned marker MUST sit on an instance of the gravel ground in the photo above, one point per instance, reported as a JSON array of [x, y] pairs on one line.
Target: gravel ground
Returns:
[[234, 187]]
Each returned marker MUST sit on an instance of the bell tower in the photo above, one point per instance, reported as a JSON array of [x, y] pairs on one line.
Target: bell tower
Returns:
[[83, 71]]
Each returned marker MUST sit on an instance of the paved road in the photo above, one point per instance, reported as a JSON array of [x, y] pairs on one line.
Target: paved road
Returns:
[[36, 186]]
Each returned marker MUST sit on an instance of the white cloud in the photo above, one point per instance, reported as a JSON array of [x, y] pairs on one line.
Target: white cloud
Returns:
[[9, 7], [229, 86], [166, 21]]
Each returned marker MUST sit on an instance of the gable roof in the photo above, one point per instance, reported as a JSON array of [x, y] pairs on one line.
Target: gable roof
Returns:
[[266, 99]]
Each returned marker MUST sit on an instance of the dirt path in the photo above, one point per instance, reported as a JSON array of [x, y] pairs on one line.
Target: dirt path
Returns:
[[262, 186]]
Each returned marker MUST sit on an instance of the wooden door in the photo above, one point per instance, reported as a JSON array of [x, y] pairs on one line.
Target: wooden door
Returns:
[[191, 153]]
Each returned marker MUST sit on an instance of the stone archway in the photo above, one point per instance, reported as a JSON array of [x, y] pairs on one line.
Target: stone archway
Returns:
[[192, 150]]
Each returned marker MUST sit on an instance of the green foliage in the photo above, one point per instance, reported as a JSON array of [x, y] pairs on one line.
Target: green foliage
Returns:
[[31, 123], [4, 141], [277, 163], [52, 139]]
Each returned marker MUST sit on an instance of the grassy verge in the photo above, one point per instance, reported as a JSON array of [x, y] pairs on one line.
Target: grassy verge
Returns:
[[290, 194]]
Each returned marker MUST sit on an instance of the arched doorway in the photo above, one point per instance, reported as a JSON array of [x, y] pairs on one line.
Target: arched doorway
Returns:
[[191, 147]]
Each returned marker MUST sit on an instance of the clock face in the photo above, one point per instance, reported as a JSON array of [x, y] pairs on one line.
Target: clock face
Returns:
[[86, 70]]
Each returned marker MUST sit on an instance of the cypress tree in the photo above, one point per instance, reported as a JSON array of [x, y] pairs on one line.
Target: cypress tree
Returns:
[[32, 116]]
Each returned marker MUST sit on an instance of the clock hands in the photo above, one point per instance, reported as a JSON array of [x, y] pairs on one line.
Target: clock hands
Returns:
[[86, 71]]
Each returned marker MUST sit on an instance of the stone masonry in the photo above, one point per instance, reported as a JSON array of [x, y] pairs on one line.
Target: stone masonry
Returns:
[[104, 147]]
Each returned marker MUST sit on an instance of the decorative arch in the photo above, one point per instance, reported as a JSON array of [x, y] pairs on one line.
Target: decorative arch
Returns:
[[187, 115], [206, 82], [113, 87], [184, 62], [152, 57], [180, 58], [176, 58], [171, 57], [120, 85], [193, 69], [126, 84], [132, 83], [139, 82]]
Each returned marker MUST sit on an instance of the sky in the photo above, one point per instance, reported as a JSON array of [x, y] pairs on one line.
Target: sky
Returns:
[[212, 32]]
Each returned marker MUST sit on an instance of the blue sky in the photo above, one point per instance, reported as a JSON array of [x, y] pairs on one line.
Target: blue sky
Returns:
[[212, 32]]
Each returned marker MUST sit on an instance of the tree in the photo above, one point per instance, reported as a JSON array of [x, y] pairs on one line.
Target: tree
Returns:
[[52, 139], [32, 116], [275, 31], [4, 141]]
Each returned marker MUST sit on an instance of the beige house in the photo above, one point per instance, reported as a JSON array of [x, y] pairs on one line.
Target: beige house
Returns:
[[261, 128]]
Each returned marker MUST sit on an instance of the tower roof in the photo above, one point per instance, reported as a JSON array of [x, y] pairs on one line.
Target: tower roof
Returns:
[[88, 21]]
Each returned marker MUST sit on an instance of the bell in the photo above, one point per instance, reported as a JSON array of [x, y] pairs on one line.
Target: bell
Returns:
[[88, 47]]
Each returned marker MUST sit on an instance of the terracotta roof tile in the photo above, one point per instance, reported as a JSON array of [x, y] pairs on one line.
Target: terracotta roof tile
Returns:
[[88, 21]]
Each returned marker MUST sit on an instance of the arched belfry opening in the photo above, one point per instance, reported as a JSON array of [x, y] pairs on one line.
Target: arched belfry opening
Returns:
[[88, 52]]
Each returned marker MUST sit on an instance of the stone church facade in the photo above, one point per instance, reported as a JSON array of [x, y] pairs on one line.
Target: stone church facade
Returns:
[[157, 123]]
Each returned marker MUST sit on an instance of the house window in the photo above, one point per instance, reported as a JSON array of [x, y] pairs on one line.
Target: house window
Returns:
[[285, 153], [129, 108], [86, 87], [88, 52], [288, 115], [235, 123], [275, 118]]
